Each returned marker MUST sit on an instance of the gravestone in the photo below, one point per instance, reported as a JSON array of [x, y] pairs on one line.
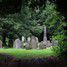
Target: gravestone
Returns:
[[42, 45], [37, 40], [23, 39], [28, 39], [33, 42], [0, 44], [17, 43], [28, 43]]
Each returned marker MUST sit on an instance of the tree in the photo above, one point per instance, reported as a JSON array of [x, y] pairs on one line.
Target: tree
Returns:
[[8, 29]]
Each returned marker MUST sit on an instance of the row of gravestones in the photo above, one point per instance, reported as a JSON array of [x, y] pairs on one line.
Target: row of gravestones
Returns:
[[32, 43]]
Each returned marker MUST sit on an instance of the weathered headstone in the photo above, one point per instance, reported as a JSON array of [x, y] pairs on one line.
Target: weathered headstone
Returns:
[[17, 43], [42, 45], [28, 39], [0, 44], [37, 42], [33, 42], [28, 43], [23, 39]]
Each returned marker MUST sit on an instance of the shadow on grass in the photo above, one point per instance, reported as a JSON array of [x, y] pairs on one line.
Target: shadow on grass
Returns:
[[10, 61]]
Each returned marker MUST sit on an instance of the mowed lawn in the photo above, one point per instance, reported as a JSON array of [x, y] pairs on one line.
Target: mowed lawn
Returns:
[[32, 53]]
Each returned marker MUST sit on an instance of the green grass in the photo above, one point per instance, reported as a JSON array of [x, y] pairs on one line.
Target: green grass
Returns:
[[32, 53]]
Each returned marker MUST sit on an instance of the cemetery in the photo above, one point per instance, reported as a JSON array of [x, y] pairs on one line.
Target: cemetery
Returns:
[[32, 42], [33, 33]]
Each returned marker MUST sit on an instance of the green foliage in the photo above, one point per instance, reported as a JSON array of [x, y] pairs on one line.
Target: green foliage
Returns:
[[53, 18], [58, 37], [50, 17], [30, 20], [8, 28], [37, 30]]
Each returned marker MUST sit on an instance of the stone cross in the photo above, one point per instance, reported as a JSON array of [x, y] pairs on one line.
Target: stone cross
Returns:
[[45, 36]]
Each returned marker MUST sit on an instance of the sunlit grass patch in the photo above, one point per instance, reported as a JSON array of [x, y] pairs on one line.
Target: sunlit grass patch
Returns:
[[32, 53]]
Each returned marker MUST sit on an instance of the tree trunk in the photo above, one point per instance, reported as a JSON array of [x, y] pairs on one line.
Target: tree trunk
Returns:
[[10, 44], [4, 40]]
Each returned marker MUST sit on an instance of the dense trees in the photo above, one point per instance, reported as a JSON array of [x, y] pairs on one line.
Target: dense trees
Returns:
[[29, 18], [10, 6]]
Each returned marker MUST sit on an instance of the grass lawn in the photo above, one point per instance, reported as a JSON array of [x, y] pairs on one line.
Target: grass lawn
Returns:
[[32, 53]]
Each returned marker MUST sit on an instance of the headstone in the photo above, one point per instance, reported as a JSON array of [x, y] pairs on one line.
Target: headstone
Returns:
[[34, 42], [42, 45], [37, 42], [28, 39], [23, 39], [28, 43], [17, 43], [0, 44]]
